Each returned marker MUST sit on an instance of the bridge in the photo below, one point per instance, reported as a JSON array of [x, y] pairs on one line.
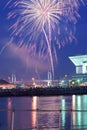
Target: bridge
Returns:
[[39, 82]]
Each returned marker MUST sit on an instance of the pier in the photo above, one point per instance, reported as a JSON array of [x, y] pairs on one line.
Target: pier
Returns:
[[48, 91]]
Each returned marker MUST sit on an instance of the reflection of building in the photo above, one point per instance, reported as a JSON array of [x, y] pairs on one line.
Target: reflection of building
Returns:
[[80, 62], [34, 113], [79, 118]]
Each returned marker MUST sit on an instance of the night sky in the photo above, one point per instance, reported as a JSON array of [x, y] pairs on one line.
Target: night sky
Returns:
[[17, 61]]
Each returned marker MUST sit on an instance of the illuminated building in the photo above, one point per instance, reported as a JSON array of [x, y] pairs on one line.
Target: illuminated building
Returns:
[[80, 63], [5, 85]]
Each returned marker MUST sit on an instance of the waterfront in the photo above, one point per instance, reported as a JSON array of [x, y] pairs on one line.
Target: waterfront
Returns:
[[43, 113], [48, 91]]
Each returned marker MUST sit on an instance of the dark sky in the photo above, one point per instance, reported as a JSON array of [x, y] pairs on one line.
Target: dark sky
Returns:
[[17, 61]]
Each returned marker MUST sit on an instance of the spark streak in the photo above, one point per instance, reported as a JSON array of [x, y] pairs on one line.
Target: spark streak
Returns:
[[50, 20]]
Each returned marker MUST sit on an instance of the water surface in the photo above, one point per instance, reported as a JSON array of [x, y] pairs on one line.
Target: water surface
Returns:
[[44, 113]]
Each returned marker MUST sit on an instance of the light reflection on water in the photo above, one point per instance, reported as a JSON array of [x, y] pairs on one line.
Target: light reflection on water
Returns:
[[9, 113], [63, 112], [73, 108], [52, 113], [34, 113], [78, 114]]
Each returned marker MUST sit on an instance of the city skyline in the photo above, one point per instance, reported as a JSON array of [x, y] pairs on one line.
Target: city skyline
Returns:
[[12, 59]]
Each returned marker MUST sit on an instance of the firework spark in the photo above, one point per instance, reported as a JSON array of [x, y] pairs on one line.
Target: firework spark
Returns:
[[39, 24]]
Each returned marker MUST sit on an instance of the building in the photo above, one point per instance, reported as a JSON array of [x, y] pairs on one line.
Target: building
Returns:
[[5, 85], [80, 63]]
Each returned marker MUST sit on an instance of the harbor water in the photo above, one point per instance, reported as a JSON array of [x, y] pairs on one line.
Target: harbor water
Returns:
[[44, 113]]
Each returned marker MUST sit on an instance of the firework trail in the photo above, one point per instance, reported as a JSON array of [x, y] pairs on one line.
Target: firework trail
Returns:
[[39, 24]]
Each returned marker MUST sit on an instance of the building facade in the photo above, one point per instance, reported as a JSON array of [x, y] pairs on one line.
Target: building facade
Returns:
[[80, 63]]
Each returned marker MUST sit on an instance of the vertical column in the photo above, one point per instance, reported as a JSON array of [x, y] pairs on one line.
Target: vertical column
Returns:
[[49, 78]]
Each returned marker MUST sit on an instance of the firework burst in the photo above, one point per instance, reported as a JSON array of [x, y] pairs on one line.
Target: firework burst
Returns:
[[40, 24]]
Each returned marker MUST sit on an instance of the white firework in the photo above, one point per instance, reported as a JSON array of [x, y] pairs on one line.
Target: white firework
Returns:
[[48, 17]]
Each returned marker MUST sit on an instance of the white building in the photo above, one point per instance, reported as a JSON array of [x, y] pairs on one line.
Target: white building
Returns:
[[80, 63]]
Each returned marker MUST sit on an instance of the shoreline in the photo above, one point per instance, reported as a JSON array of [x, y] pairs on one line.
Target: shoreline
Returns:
[[50, 91]]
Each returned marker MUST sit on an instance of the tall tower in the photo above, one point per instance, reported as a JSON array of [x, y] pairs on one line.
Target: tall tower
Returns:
[[13, 78], [49, 78]]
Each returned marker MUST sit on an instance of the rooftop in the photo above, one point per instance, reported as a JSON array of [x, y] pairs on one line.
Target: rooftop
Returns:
[[78, 60], [3, 81]]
